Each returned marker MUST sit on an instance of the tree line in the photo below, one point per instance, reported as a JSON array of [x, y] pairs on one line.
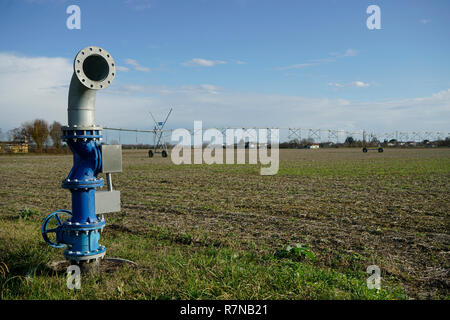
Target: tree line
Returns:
[[372, 142], [39, 132]]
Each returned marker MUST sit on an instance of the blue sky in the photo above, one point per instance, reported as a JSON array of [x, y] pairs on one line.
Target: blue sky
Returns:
[[224, 61]]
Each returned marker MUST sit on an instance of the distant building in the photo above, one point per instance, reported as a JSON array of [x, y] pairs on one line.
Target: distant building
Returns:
[[312, 146], [13, 146], [251, 145]]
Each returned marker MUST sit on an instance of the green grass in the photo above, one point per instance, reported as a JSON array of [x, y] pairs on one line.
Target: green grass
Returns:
[[169, 269], [379, 167], [323, 168], [27, 213], [225, 232]]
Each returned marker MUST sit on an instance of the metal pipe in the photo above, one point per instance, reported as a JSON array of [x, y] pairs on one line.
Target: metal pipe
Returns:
[[109, 181], [94, 69]]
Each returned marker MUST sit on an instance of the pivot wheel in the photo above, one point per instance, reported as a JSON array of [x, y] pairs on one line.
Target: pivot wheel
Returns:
[[150, 154], [380, 149], [56, 215], [364, 150], [164, 154]]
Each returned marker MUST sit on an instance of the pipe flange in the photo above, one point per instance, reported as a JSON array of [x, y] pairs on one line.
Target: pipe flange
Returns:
[[69, 226], [82, 184], [85, 137], [75, 127], [84, 133], [85, 256], [94, 78]]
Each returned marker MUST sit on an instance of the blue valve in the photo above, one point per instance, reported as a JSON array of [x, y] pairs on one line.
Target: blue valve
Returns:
[[45, 231]]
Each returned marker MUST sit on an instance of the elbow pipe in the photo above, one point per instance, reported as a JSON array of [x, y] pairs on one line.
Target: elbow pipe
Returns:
[[94, 69]]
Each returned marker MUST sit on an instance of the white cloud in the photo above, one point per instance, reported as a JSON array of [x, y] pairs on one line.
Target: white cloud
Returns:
[[316, 62], [140, 68], [208, 63], [219, 107], [336, 84], [37, 87], [130, 89], [202, 62], [298, 66], [32, 87], [203, 88], [360, 84], [136, 66], [121, 68], [357, 84], [350, 53]]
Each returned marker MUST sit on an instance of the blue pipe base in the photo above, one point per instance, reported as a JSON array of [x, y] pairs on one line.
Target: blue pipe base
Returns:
[[82, 240], [81, 233]]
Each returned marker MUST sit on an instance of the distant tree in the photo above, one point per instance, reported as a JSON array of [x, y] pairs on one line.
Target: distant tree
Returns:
[[55, 134], [16, 134], [38, 131], [444, 143], [295, 143], [291, 144], [305, 142], [394, 141], [374, 140], [1, 134], [349, 141]]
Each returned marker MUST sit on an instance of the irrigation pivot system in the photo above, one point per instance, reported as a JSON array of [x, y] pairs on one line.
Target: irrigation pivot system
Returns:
[[366, 148], [159, 142], [327, 136]]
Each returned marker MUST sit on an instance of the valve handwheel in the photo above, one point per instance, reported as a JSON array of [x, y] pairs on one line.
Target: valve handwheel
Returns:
[[45, 231]]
